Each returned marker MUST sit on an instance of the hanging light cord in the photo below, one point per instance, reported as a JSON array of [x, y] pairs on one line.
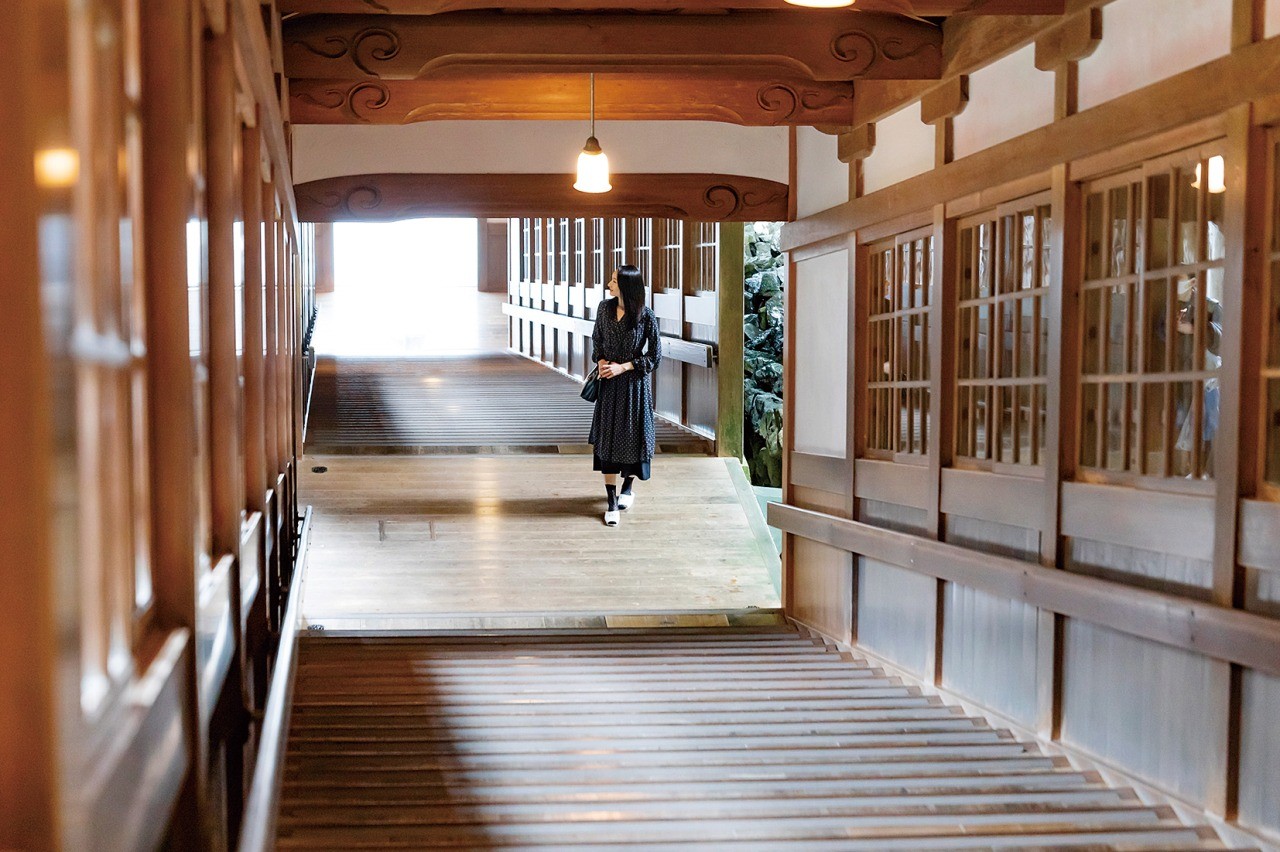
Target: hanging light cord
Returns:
[[593, 103]]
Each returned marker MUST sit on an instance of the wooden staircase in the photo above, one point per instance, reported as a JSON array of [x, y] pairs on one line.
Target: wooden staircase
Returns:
[[667, 740]]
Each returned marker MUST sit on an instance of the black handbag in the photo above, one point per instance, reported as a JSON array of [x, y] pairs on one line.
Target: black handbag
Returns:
[[591, 387]]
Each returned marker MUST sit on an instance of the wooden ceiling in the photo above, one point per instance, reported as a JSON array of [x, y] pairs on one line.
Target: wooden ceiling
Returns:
[[749, 62]]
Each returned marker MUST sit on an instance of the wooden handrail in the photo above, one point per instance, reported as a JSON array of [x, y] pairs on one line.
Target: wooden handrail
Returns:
[[698, 354], [1232, 635], [258, 831]]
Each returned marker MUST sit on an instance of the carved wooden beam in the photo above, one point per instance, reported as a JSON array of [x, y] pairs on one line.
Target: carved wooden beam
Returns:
[[820, 46], [388, 197], [435, 7], [762, 102]]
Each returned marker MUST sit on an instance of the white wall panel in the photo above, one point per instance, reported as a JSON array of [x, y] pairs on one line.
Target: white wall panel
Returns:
[[904, 149], [822, 181], [1144, 41], [896, 614], [821, 324], [1143, 706], [534, 147], [992, 537], [1260, 753], [989, 651], [1008, 98]]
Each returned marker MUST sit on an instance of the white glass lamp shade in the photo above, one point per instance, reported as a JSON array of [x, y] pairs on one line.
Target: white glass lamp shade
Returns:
[[593, 169], [1217, 175]]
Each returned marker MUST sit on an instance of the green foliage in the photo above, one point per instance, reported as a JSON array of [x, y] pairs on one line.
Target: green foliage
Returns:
[[762, 362]]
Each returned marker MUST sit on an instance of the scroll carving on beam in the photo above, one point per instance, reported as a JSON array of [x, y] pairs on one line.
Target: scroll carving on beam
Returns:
[[387, 197]]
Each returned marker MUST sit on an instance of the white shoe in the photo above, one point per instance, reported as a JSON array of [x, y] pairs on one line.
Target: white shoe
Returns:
[[611, 518], [625, 501]]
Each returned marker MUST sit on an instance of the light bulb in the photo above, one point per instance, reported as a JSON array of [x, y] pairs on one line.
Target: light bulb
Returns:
[[57, 168], [593, 169], [1217, 175]]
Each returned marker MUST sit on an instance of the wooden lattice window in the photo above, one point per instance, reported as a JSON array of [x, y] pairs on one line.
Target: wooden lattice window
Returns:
[[618, 245], [900, 270], [1152, 318], [643, 247], [598, 253], [579, 276], [670, 247], [1003, 334], [706, 261], [562, 247], [536, 252], [1271, 366], [526, 248]]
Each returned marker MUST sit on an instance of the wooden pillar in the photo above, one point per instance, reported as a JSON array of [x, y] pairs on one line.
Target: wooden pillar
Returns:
[[255, 460], [29, 815], [284, 349], [325, 282], [270, 237], [729, 376], [168, 92], [222, 140]]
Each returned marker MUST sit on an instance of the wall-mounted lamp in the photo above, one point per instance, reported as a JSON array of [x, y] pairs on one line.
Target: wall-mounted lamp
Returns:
[[593, 165], [1217, 175], [57, 168]]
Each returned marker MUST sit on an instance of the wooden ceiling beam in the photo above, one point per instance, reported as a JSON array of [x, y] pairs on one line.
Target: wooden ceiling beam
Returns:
[[762, 102], [390, 197], [435, 7], [829, 46]]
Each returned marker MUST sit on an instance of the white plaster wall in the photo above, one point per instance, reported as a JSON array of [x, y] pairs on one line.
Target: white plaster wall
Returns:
[[822, 181], [534, 147], [1144, 41], [1006, 99], [1272, 19], [821, 324], [904, 149]]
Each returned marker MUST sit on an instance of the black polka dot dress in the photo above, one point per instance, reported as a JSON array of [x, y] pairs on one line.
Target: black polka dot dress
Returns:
[[622, 426]]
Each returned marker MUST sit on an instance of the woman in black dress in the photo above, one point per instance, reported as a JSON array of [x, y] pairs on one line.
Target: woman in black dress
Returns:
[[626, 349]]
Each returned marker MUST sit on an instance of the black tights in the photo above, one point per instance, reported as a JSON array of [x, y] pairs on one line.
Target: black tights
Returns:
[[627, 483]]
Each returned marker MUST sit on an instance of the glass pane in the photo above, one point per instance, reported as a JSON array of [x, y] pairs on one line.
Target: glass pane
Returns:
[[1273, 431], [1184, 354], [1028, 251], [1025, 419], [1027, 337], [967, 343], [1208, 425], [1046, 241], [921, 276], [1188, 234], [1158, 222], [1155, 426], [904, 278], [1089, 415], [983, 362], [980, 406], [984, 260], [1155, 323], [1007, 341], [1116, 421], [966, 265], [1121, 262], [1092, 361], [1007, 255], [1184, 429], [964, 421], [1117, 328], [1215, 239], [1041, 404], [1093, 237], [1008, 422], [923, 443]]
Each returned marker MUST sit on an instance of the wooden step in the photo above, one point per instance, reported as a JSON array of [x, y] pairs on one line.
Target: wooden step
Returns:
[[698, 740]]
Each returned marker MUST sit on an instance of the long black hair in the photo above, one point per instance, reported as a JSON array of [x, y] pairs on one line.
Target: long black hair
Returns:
[[631, 289]]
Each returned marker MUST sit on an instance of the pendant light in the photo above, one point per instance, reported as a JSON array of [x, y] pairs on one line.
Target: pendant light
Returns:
[[593, 165]]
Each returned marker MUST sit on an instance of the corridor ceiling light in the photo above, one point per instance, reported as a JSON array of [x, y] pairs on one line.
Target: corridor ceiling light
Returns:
[[1217, 175], [593, 165], [821, 4]]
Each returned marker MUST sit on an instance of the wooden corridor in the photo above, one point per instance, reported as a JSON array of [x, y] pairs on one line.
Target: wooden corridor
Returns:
[[488, 402], [518, 541], [752, 740]]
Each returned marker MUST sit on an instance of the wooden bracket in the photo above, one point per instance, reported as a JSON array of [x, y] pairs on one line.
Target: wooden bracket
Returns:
[[945, 101], [1072, 40], [857, 143]]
